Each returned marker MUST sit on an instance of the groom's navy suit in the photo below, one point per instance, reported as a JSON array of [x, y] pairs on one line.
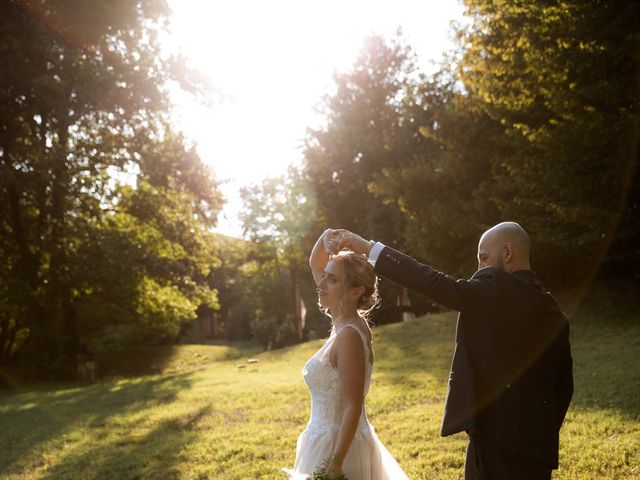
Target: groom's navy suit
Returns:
[[511, 378]]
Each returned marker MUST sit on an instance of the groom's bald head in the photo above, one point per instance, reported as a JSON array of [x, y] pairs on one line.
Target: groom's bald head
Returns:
[[505, 246]]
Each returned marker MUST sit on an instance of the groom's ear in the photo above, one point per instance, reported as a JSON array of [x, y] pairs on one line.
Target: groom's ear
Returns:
[[507, 252]]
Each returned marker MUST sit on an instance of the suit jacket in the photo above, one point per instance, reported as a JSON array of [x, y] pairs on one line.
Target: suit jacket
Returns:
[[511, 377]]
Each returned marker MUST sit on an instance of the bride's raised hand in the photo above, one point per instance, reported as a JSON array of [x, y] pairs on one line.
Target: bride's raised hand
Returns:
[[329, 241]]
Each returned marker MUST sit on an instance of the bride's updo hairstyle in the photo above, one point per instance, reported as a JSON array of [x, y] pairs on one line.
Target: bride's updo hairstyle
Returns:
[[358, 272]]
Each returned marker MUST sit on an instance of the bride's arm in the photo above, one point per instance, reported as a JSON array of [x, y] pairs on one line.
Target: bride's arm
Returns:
[[351, 365], [320, 255]]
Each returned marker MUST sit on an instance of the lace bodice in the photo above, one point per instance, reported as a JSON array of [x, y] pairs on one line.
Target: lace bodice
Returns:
[[323, 381]]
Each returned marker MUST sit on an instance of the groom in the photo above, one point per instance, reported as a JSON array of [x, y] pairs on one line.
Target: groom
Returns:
[[511, 378]]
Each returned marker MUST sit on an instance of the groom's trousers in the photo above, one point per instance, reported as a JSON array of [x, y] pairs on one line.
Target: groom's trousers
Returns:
[[485, 462]]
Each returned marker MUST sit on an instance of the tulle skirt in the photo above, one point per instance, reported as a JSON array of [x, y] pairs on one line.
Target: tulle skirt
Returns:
[[367, 459]]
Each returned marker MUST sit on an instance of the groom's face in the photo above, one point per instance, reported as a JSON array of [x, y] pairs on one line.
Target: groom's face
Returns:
[[489, 253]]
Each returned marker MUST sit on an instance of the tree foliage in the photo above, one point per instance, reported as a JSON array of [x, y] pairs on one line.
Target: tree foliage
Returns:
[[536, 121], [561, 78], [363, 133], [280, 214], [441, 189], [104, 210]]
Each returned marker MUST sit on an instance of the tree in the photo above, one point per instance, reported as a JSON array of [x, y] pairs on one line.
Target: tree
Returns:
[[562, 79], [280, 212], [229, 280], [535, 120], [362, 135], [160, 227], [441, 188], [365, 133], [83, 110]]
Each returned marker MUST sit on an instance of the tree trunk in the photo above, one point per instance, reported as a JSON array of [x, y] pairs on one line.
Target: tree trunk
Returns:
[[65, 334], [297, 306], [6, 343], [25, 273]]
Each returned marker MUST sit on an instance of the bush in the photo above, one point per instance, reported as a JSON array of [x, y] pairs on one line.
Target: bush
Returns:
[[274, 333]]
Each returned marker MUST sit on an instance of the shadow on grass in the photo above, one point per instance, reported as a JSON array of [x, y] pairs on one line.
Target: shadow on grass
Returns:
[[31, 420], [168, 358], [133, 363], [152, 456]]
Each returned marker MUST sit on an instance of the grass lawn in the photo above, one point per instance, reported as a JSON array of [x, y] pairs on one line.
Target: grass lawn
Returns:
[[201, 417]]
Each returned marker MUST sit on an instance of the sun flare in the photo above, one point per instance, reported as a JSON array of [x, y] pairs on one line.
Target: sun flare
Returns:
[[270, 63]]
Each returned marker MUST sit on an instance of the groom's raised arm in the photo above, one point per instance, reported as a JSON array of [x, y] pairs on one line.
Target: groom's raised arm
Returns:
[[460, 295]]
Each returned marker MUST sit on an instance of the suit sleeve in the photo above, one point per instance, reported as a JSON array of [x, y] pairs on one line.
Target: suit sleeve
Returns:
[[564, 379], [460, 295]]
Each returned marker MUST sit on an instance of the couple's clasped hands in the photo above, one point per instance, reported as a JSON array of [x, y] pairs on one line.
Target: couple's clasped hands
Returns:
[[335, 240]]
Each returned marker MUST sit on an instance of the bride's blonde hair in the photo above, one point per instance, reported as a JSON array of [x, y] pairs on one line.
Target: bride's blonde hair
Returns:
[[358, 272]]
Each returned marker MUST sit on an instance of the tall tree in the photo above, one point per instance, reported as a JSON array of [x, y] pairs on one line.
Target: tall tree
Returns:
[[562, 78], [441, 187], [83, 107], [362, 135], [537, 121], [281, 212], [150, 254]]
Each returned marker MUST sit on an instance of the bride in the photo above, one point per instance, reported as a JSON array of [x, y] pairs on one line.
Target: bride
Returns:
[[339, 437]]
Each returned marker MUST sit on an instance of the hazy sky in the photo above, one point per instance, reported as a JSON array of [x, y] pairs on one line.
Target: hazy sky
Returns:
[[271, 63]]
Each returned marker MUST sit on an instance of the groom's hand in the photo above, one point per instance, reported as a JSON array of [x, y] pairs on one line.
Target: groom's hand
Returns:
[[352, 241]]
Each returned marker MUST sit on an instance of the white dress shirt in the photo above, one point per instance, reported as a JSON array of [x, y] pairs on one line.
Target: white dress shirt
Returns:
[[374, 253]]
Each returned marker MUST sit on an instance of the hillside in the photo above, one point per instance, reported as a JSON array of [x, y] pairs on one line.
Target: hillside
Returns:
[[204, 417]]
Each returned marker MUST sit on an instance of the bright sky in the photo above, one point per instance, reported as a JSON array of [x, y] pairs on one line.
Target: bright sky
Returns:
[[271, 63]]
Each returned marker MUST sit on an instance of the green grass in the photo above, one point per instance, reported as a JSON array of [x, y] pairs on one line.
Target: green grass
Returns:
[[202, 417]]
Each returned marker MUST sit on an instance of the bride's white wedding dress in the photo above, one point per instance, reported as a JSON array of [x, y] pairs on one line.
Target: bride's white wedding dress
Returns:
[[367, 459]]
